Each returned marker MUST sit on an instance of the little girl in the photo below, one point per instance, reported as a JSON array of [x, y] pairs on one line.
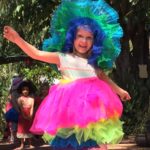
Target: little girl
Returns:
[[26, 105], [83, 110]]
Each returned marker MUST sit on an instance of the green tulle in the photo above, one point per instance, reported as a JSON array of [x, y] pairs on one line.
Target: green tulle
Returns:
[[102, 132]]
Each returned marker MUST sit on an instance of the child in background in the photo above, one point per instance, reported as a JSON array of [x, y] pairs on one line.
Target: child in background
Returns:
[[43, 92], [8, 135], [11, 120], [83, 111], [12, 108], [26, 105]]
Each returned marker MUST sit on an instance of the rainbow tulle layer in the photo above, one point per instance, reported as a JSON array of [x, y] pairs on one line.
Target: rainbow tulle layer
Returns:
[[86, 108]]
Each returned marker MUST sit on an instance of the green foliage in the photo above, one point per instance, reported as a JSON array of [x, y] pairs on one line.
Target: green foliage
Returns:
[[135, 20], [30, 18], [6, 74], [38, 72], [136, 112], [32, 70]]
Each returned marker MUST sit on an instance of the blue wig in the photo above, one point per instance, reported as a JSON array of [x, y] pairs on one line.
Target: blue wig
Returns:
[[98, 35]]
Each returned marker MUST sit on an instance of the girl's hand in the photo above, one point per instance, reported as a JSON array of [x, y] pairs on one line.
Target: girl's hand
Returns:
[[10, 34], [124, 95]]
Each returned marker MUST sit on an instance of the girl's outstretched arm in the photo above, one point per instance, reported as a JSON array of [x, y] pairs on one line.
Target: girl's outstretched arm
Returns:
[[124, 95], [11, 35]]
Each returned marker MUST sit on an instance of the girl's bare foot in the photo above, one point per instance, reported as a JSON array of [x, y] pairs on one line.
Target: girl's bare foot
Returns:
[[31, 146], [19, 148], [102, 147]]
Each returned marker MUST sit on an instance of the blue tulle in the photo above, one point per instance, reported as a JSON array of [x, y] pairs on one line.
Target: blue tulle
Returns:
[[72, 143]]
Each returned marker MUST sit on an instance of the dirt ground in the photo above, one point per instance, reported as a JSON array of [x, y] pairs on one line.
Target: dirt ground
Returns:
[[126, 144]]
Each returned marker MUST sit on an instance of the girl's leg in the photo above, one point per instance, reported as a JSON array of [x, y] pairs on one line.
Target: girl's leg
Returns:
[[30, 143], [21, 146], [11, 132]]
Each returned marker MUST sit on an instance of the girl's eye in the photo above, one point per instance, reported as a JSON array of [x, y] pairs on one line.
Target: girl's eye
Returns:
[[80, 37], [89, 39]]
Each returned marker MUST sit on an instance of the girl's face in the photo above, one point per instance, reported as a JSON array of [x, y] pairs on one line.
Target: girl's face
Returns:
[[83, 41], [44, 90], [25, 91]]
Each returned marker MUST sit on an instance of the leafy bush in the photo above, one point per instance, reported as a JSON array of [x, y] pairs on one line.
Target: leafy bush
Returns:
[[137, 111]]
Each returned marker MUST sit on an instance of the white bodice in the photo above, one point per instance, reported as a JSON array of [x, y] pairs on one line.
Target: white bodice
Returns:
[[74, 67]]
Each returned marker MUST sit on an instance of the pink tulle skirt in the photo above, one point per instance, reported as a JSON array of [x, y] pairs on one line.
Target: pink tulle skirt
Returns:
[[77, 103]]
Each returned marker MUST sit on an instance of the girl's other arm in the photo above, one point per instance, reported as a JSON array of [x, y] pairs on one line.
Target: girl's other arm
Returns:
[[11, 35], [124, 95]]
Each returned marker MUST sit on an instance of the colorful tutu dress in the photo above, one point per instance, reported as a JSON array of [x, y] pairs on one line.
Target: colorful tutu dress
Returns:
[[81, 111], [81, 107]]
